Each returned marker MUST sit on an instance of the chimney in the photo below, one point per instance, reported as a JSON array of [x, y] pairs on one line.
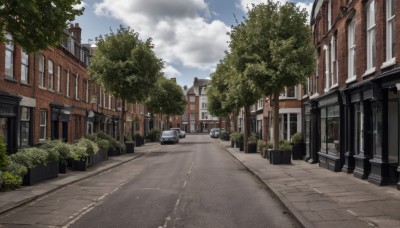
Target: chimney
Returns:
[[185, 87], [76, 32]]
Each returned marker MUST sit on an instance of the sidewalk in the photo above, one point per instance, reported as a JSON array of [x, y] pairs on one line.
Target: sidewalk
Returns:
[[321, 198], [26, 194]]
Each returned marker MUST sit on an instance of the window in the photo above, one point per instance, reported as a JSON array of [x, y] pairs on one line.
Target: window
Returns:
[[351, 33], [86, 89], [204, 115], [192, 108], [371, 46], [100, 97], [59, 79], [67, 86], [329, 14], [359, 128], [390, 29], [204, 105], [109, 101], [326, 48], [43, 124], [51, 75], [316, 76], [288, 125], [289, 92], [24, 67], [329, 130], [9, 57], [260, 104], [334, 62], [76, 86], [191, 98], [192, 116], [24, 127], [41, 71]]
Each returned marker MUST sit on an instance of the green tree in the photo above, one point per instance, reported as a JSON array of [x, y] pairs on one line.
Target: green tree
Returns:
[[167, 98], [35, 25], [125, 67], [282, 53]]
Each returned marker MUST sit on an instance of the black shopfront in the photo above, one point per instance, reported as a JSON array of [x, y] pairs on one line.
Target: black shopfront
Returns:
[[9, 121], [60, 117]]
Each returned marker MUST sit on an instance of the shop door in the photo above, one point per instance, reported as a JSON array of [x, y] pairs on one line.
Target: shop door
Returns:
[[65, 131]]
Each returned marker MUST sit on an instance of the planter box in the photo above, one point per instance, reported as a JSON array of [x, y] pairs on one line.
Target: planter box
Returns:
[[80, 165], [62, 168], [130, 147], [298, 151], [113, 152], [252, 148], [41, 172], [95, 158], [280, 157], [241, 146]]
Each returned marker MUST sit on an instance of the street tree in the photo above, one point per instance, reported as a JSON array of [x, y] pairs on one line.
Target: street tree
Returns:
[[36, 25], [126, 67], [167, 99], [282, 51]]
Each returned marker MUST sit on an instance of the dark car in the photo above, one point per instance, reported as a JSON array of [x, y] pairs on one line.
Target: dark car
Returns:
[[170, 136]]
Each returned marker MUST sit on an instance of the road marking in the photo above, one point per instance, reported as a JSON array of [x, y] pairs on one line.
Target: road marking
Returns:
[[191, 166], [351, 212], [184, 184]]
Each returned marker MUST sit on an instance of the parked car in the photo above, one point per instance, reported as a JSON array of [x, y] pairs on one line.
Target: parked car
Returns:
[[182, 134], [170, 136], [214, 133]]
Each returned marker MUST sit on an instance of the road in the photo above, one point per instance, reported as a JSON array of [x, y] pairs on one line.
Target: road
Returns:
[[195, 183]]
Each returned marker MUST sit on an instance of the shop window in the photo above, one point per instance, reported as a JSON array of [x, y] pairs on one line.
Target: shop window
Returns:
[[377, 128], [330, 130], [393, 129], [358, 128], [43, 124], [9, 57], [25, 127], [24, 67]]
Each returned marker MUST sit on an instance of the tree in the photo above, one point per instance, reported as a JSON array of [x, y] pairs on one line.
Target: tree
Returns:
[[282, 51], [167, 98], [35, 25], [125, 67]]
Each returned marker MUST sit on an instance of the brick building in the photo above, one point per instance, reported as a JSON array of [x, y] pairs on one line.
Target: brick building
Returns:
[[352, 107], [48, 95]]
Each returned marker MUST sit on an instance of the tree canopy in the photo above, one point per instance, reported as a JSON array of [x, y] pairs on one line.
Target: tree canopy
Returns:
[[125, 66], [36, 25]]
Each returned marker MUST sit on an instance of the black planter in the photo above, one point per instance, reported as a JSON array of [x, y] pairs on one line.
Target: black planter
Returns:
[[103, 155], [113, 152], [62, 167], [79, 165], [232, 143], [280, 157], [252, 148], [130, 147], [298, 151], [241, 146], [237, 144], [41, 172]]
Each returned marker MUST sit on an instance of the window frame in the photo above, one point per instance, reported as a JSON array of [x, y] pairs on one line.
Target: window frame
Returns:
[[50, 71], [43, 124], [24, 66], [334, 63], [59, 78], [42, 79], [390, 33], [351, 45], [371, 36], [327, 68], [67, 86], [9, 48]]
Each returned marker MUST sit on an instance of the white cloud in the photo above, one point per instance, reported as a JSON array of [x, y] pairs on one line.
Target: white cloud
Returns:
[[245, 4], [171, 72], [179, 28]]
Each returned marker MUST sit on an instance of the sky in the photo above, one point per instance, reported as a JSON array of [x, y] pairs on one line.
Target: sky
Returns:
[[190, 36]]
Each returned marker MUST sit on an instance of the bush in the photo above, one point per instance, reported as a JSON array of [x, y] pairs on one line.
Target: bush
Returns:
[[285, 145], [153, 135], [261, 145], [17, 169], [4, 160], [252, 138], [10, 181], [240, 137], [234, 136], [78, 152], [56, 146], [91, 147], [31, 157], [103, 144], [120, 146], [297, 138]]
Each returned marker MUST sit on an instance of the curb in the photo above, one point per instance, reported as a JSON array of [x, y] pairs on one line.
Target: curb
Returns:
[[301, 220]]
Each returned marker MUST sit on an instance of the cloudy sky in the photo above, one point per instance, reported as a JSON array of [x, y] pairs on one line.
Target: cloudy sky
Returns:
[[189, 35]]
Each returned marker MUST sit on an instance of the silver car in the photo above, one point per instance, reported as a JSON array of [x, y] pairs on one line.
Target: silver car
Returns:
[[170, 136]]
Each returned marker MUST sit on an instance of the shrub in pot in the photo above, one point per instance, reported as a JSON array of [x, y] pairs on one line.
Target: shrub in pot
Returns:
[[63, 150], [252, 144], [79, 156], [234, 138], [240, 140], [283, 155], [298, 150]]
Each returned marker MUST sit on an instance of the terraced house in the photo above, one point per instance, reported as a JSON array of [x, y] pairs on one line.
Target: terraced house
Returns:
[[48, 95], [352, 103]]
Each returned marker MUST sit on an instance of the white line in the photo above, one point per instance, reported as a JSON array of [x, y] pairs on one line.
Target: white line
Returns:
[[184, 184], [351, 212], [191, 166]]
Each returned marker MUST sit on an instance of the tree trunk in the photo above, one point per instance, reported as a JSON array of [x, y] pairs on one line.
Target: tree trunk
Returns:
[[122, 122], [168, 127], [228, 123], [234, 121], [276, 121], [246, 130]]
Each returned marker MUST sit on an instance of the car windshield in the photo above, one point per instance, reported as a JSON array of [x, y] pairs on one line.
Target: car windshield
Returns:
[[167, 133]]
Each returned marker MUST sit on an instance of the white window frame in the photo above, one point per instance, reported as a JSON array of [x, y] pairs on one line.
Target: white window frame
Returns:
[[330, 14], [316, 75], [327, 70], [10, 57], [41, 71], [109, 102], [100, 96], [351, 38], [371, 39], [87, 91], [43, 124], [284, 94], [203, 105], [59, 79], [76, 86], [24, 66], [334, 62], [68, 84], [50, 70], [390, 34]]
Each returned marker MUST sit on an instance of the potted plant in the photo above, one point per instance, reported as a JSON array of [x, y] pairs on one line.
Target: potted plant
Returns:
[[283, 155], [261, 148], [240, 140], [41, 164], [103, 145], [298, 150], [138, 139], [63, 150], [79, 155], [234, 138], [252, 144]]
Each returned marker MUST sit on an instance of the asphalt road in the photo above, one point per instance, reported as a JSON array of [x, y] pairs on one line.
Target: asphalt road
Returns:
[[195, 183]]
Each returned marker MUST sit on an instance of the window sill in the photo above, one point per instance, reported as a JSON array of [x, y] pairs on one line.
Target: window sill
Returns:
[[52, 91], [334, 86], [352, 79], [314, 96], [369, 72], [10, 79], [26, 84], [389, 63], [326, 90], [42, 88]]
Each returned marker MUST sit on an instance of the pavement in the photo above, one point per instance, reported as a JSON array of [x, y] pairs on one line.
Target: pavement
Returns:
[[316, 197]]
